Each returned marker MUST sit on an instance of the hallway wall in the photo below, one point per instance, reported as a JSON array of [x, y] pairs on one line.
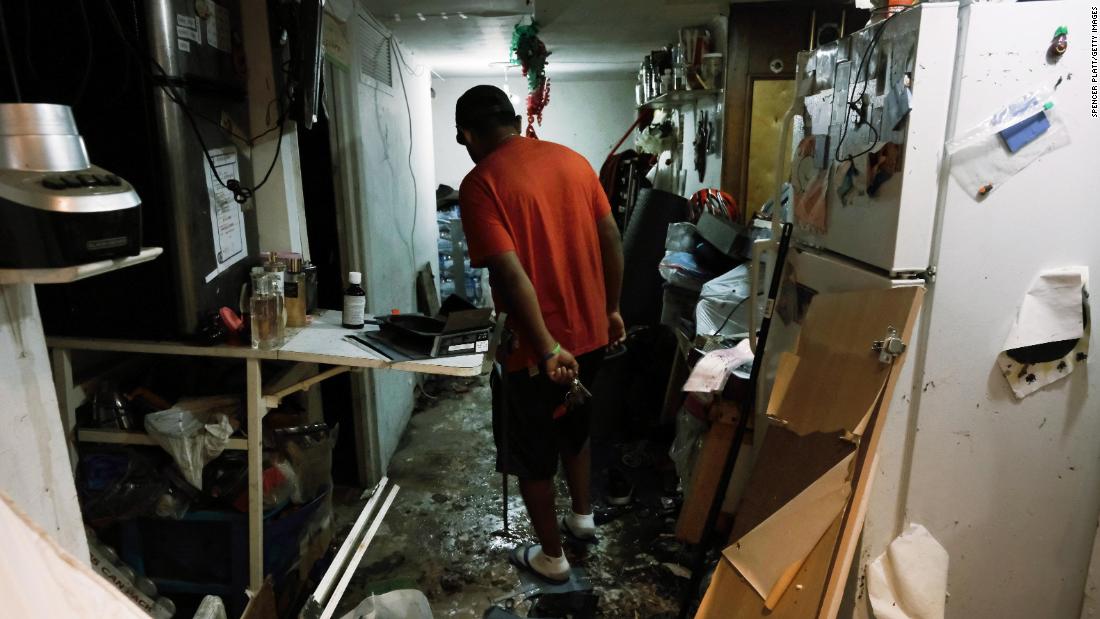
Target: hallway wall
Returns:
[[588, 115]]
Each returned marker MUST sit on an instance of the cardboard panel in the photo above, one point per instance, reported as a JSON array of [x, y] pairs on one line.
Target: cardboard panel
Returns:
[[836, 381], [838, 376]]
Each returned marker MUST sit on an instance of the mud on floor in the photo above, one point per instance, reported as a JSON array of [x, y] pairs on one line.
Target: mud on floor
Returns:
[[443, 533]]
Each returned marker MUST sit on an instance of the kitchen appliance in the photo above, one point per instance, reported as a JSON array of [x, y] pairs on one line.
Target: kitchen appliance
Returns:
[[997, 481], [163, 73], [58, 209]]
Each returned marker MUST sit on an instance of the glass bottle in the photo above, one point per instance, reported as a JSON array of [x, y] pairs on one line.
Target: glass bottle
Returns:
[[294, 288], [264, 306], [355, 302], [275, 266]]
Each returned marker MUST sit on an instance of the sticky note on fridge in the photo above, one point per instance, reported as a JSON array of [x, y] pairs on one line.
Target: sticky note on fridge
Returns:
[[1024, 132]]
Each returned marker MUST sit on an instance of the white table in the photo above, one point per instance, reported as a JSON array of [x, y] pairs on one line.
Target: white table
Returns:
[[321, 342]]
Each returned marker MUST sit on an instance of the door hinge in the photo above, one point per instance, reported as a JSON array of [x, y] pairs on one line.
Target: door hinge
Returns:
[[889, 347], [930, 274]]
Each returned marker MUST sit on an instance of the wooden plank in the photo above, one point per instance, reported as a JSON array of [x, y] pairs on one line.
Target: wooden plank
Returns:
[[66, 398], [150, 347], [273, 400], [123, 437], [705, 478], [255, 405], [823, 573], [64, 275]]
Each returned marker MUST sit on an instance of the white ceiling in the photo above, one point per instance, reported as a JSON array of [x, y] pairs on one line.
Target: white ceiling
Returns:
[[585, 37]]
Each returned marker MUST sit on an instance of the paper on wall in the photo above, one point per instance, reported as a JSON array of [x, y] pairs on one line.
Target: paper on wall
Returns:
[[218, 28], [713, 370], [909, 580], [788, 536], [226, 217], [1051, 333]]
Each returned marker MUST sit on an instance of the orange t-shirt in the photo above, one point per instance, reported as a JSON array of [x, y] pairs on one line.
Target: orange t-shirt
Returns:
[[542, 201]]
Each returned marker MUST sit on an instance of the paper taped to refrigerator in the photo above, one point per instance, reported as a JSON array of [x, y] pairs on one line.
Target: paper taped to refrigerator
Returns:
[[982, 160], [1051, 333]]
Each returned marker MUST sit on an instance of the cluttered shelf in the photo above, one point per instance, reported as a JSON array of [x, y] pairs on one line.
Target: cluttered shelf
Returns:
[[678, 97], [321, 342], [126, 437], [64, 275]]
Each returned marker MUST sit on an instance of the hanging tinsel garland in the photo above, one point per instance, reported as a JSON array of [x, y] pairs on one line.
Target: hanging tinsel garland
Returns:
[[530, 53]]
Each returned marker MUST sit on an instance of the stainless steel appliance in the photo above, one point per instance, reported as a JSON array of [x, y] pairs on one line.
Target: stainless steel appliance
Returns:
[[57, 208]]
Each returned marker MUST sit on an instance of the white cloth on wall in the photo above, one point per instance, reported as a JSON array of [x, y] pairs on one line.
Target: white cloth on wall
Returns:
[[909, 580]]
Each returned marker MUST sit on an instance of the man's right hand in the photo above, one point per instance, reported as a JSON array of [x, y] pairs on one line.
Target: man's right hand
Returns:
[[562, 368], [616, 330]]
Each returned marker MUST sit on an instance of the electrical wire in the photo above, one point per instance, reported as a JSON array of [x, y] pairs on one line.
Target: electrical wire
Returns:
[[412, 172], [853, 103], [241, 194], [90, 56], [730, 315], [11, 59]]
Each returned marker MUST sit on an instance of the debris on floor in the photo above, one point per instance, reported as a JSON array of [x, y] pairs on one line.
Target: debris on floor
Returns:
[[444, 534]]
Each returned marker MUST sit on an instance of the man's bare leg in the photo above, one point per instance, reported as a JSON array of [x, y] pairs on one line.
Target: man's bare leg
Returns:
[[578, 476], [538, 496]]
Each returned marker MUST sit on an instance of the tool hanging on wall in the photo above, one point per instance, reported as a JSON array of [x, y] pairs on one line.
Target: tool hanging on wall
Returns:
[[702, 143]]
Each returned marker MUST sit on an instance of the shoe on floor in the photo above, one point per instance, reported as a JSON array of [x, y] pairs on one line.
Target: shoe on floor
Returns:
[[554, 570], [580, 528]]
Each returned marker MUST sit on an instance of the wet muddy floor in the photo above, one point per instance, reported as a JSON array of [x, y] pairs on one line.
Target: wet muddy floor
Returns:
[[443, 534]]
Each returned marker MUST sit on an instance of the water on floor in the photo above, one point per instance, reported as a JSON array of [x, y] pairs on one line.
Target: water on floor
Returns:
[[444, 534]]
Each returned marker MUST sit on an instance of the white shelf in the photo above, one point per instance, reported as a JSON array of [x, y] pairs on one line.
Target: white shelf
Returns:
[[64, 275], [679, 97]]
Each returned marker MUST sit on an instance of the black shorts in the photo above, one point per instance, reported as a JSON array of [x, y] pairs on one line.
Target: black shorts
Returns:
[[534, 437]]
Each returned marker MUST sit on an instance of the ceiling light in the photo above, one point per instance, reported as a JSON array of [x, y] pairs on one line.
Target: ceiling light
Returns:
[[443, 15], [462, 15], [421, 17], [396, 17]]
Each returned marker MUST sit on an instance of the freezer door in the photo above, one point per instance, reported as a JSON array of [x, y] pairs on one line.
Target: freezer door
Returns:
[[808, 273], [851, 105]]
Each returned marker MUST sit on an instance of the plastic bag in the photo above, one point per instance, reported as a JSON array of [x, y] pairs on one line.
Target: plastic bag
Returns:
[[400, 604], [191, 442], [722, 308], [681, 236], [211, 607], [679, 268], [981, 160], [690, 431]]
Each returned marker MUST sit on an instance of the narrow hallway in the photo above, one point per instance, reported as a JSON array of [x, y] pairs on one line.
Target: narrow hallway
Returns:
[[443, 534]]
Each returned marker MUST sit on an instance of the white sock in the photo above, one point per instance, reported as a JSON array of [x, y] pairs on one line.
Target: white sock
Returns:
[[582, 525], [554, 567]]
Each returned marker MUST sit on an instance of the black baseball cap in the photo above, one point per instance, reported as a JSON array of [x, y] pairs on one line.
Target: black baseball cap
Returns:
[[481, 104]]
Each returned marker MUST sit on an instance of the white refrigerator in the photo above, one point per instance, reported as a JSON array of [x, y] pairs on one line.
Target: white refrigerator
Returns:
[[1010, 487]]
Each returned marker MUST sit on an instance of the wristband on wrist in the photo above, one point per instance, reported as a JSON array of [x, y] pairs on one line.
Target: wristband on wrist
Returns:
[[553, 353]]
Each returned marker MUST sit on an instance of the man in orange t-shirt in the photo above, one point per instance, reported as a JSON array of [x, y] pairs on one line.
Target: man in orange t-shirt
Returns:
[[535, 214]]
